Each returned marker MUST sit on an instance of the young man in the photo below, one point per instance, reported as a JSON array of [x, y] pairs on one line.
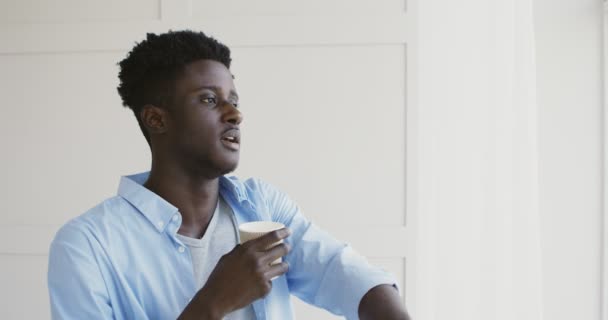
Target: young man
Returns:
[[166, 246]]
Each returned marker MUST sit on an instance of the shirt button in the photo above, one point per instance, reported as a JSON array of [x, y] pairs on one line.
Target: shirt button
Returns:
[[160, 224], [181, 249], [174, 218]]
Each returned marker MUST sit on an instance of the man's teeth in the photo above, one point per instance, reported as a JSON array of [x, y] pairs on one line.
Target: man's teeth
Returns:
[[231, 139]]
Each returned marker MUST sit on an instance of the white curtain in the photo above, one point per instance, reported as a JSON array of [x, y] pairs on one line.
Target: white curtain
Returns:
[[477, 215]]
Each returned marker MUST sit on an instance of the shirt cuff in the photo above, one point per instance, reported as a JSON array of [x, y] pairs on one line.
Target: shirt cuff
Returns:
[[379, 277], [347, 281]]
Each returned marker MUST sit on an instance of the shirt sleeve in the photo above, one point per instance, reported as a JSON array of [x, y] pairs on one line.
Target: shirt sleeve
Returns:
[[323, 271], [76, 286]]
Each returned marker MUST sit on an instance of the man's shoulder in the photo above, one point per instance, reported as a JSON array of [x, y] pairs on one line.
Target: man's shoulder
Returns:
[[97, 220], [113, 209], [260, 193], [252, 185]]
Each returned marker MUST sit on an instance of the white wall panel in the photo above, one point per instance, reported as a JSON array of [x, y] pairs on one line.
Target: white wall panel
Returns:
[[361, 170], [66, 137], [250, 31], [373, 242], [24, 292], [45, 11], [334, 128], [293, 7]]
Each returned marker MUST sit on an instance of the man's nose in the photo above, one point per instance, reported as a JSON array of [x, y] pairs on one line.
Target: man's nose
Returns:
[[232, 114]]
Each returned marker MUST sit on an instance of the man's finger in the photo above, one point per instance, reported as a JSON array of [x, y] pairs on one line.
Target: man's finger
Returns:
[[276, 270], [278, 251], [264, 242]]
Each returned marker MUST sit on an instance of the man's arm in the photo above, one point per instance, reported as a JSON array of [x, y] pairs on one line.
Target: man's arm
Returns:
[[240, 277], [324, 271], [76, 286], [382, 302]]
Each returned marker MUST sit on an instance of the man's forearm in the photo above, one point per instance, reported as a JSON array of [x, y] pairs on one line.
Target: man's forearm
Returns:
[[382, 302], [201, 308]]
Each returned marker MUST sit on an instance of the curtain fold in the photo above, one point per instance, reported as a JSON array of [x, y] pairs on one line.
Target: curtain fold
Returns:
[[478, 247]]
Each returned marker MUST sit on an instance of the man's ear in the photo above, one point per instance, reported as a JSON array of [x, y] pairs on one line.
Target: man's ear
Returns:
[[155, 119]]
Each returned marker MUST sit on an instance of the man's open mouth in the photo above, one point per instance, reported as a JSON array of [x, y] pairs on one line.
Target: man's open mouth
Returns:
[[231, 139]]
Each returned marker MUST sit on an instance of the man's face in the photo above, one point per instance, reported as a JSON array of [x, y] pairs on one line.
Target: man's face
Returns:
[[204, 133]]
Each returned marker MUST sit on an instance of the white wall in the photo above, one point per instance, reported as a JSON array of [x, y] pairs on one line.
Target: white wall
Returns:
[[299, 67], [569, 98], [568, 40]]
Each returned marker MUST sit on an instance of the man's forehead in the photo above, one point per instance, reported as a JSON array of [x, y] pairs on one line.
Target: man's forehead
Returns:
[[207, 64], [207, 70], [208, 74]]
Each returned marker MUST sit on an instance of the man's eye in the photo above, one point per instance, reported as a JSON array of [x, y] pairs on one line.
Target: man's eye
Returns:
[[209, 100], [235, 104]]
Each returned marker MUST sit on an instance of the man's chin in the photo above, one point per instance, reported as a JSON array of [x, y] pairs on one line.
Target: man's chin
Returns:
[[228, 168], [219, 166]]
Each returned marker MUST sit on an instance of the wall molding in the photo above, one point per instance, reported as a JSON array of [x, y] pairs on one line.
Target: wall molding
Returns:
[[260, 32], [604, 244], [378, 242]]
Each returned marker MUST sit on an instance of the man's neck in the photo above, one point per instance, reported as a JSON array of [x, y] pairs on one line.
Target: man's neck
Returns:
[[195, 197]]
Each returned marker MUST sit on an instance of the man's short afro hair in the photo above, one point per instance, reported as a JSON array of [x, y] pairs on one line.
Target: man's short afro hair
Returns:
[[148, 72]]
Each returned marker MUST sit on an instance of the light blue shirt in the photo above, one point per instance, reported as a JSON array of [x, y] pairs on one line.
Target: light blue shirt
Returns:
[[122, 259]]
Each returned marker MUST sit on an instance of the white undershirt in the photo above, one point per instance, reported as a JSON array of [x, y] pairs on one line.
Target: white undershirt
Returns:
[[220, 238]]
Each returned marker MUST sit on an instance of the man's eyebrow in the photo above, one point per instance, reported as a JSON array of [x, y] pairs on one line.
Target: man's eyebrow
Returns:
[[214, 88]]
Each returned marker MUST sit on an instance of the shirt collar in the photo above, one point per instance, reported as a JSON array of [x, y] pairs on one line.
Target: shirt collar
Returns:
[[158, 210], [233, 186]]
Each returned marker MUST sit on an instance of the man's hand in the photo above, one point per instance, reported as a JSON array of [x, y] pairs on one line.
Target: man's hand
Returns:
[[240, 277], [382, 302]]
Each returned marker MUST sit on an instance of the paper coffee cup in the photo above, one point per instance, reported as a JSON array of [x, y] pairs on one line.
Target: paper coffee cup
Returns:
[[253, 230]]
